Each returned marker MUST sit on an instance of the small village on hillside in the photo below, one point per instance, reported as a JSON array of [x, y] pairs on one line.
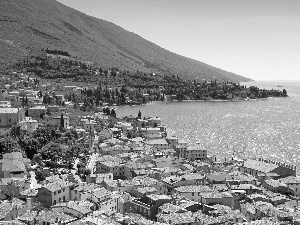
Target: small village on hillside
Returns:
[[66, 158]]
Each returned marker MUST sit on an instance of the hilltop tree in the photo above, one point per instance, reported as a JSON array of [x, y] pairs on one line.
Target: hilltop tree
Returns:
[[62, 120], [284, 92]]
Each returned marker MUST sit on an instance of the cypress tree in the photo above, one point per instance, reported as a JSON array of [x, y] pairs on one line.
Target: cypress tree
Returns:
[[62, 121]]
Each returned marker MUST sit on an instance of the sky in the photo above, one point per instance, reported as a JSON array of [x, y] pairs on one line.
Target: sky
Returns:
[[259, 39]]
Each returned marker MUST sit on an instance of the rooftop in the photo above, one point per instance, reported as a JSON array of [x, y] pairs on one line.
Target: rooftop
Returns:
[[101, 192], [290, 180], [53, 217], [259, 165], [216, 195], [80, 206], [13, 165], [193, 188], [146, 190], [156, 197], [157, 142], [8, 110], [57, 185]]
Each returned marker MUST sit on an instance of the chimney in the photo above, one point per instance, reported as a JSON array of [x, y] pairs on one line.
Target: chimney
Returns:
[[29, 204]]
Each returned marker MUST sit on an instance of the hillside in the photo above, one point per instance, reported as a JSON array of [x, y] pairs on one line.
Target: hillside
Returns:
[[27, 26]]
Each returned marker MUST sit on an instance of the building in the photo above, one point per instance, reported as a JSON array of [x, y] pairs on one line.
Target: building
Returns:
[[49, 217], [293, 183], [89, 126], [77, 209], [53, 108], [37, 111], [148, 205], [99, 177], [150, 133], [11, 116], [192, 153], [173, 141], [29, 124], [82, 191], [57, 121], [261, 168], [158, 144], [70, 89], [163, 162], [117, 169], [189, 179], [59, 99], [13, 165], [192, 192], [222, 198], [16, 186], [5, 104], [154, 122], [54, 192], [277, 186], [10, 210]]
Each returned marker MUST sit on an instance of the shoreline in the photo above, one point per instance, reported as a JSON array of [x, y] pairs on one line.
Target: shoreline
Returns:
[[210, 100]]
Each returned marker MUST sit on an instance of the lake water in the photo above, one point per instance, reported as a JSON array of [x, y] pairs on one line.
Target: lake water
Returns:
[[263, 128]]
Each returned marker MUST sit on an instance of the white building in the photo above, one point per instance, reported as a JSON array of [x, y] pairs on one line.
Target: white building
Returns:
[[154, 122], [29, 124], [192, 153], [89, 126], [158, 144]]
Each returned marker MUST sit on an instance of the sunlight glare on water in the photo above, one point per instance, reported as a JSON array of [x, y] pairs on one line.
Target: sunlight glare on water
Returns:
[[263, 128]]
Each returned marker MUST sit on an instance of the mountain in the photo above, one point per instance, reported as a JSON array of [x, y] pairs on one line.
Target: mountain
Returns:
[[27, 26]]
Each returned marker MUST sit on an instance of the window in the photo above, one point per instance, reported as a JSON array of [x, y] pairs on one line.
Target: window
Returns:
[[9, 120], [59, 191], [63, 189], [75, 192], [64, 198], [192, 193]]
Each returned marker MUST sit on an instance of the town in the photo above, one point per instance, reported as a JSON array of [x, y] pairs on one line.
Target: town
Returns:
[[66, 158]]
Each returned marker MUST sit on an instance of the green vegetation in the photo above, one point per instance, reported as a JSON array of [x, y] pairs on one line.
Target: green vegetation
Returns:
[[46, 143], [29, 26], [113, 86]]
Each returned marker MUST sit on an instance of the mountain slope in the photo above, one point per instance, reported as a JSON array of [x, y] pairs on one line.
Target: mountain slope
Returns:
[[29, 25]]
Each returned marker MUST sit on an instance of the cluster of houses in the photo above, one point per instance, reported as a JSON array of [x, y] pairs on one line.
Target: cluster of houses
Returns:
[[140, 175]]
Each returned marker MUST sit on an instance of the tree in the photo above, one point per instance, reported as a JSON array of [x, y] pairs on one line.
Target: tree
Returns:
[[139, 114], [70, 154], [284, 92], [9, 144], [41, 175], [52, 151], [62, 120], [37, 159], [113, 113]]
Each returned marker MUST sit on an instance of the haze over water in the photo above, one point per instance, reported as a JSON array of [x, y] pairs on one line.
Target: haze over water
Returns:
[[264, 128]]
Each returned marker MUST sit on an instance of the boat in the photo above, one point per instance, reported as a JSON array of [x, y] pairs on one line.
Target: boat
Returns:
[[279, 85]]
